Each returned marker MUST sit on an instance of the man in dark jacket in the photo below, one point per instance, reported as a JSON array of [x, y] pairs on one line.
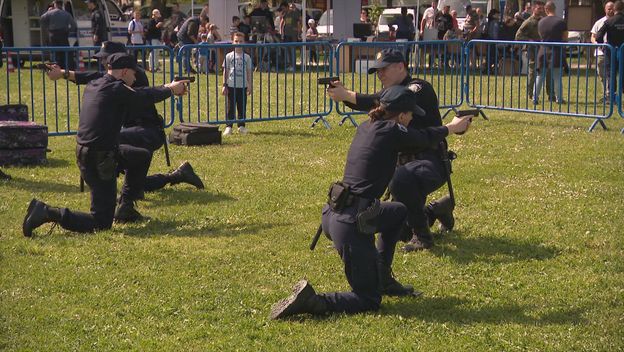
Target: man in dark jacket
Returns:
[[614, 29]]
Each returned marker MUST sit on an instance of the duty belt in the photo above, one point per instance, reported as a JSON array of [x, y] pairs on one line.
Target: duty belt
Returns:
[[340, 197]]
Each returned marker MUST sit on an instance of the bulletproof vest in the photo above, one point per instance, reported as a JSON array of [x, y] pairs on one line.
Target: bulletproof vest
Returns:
[[183, 31]]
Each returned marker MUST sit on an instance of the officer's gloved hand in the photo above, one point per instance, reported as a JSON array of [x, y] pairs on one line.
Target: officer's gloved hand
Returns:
[[459, 125], [177, 87]]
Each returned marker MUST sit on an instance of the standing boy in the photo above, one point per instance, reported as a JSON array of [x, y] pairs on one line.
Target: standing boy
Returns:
[[237, 68]]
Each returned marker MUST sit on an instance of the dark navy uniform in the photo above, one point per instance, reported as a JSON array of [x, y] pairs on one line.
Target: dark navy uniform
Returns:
[[98, 151], [614, 29], [371, 162], [98, 27], [421, 171], [353, 213], [143, 127]]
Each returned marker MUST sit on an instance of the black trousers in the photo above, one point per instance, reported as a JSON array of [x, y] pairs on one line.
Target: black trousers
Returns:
[[413, 182], [360, 255], [103, 186], [65, 60], [150, 138], [237, 97]]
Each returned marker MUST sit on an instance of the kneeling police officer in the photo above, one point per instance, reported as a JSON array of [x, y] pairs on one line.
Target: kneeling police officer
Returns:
[[98, 152], [420, 172], [143, 128], [354, 213]]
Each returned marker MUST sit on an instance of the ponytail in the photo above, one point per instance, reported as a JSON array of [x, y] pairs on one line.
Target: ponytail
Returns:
[[380, 114]]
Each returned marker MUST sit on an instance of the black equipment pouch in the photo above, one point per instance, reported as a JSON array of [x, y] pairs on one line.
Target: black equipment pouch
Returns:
[[106, 165], [338, 196], [367, 219]]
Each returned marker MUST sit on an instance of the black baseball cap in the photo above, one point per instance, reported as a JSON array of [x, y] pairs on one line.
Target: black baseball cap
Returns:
[[385, 58], [120, 61], [400, 99], [109, 48]]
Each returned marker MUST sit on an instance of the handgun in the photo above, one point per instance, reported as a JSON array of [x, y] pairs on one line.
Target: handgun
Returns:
[[327, 80], [184, 78], [44, 67], [469, 112]]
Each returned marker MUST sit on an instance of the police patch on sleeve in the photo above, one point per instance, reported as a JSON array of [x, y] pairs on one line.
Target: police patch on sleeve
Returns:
[[402, 128], [415, 87]]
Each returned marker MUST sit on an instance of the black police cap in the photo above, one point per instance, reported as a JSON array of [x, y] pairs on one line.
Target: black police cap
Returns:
[[385, 58], [108, 48], [120, 61], [400, 99]]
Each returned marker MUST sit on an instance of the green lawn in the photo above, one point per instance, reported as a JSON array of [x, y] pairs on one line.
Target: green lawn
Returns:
[[536, 262]]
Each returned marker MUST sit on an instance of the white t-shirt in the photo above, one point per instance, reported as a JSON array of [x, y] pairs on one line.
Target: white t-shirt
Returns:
[[429, 17], [235, 66], [136, 26], [595, 30]]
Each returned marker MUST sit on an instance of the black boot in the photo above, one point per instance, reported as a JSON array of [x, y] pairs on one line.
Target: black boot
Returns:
[[37, 214], [186, 174], [303, 300], [4, 176], [389, 286], [422, 239], [126, 212], [442, 210]]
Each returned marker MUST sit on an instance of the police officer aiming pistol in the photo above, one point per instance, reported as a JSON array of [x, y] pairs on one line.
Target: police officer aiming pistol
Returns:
[[354, 213], [421, 171], [143, 127], [98, 152]]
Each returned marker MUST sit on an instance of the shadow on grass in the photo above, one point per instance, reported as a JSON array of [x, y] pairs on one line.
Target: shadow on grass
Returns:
[[184, 194], [156, 227], [283, 133], [467, 249], [38, 186], [461, 311]]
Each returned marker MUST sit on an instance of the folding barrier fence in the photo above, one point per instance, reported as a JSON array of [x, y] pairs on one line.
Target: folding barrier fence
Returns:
[[543, 78], [57, 103], [500, 75], [282, 77], [438, 62], [620, 80]]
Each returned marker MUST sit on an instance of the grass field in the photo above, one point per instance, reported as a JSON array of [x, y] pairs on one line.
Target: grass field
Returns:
[[536, 262]]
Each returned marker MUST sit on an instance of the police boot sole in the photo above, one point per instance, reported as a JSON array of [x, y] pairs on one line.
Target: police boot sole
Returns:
[[396, 291], [292, 305], [189, 176], [32, 213], [447, 222]]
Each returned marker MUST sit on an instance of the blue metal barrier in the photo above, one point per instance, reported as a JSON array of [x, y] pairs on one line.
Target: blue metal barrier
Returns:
[[57, 103], [620, 56], [438, 62], [501, 75], [283, 82]]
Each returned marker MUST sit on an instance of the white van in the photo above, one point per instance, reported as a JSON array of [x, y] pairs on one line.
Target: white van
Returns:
[[388, 16], [19, 20]]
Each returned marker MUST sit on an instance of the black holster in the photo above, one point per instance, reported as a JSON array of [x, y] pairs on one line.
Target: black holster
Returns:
[[338, 196], [104, 161], [367, 219]]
